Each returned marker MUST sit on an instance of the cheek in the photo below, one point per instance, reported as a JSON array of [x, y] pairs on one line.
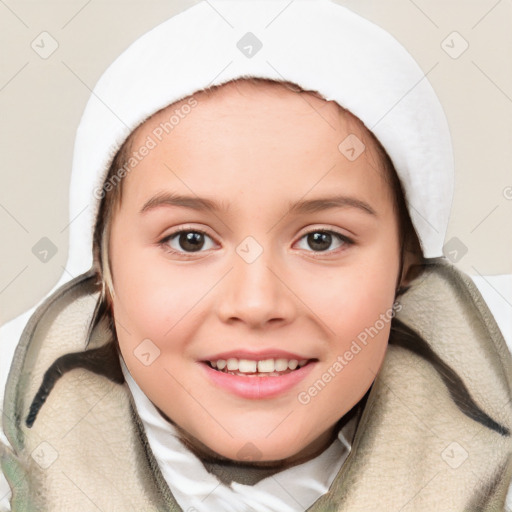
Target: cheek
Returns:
[[355, 305], [154, 311], [352, 297], [151, 295]]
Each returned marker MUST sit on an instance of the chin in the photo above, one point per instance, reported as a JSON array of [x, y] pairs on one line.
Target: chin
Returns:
[[240, 450], [254, 452]]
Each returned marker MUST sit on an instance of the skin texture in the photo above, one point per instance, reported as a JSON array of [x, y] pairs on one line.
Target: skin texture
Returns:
[[256, 148]]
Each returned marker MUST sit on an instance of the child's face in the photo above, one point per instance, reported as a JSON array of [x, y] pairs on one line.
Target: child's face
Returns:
[[255, 287]]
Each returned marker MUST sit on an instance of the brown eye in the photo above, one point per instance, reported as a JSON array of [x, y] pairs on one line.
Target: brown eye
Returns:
[[185, 241], [321, 240]]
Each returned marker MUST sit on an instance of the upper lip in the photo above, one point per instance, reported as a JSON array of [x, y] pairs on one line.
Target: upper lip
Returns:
[[257, 355]]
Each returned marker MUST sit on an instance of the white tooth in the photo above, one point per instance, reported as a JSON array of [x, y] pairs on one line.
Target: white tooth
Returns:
[[302, 362], [292, 364], [221, 364], [232, 364], [281, 365], [266, 365], [246, 365]]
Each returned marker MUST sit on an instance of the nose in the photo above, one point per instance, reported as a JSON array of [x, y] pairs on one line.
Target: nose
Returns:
[[256, 294]]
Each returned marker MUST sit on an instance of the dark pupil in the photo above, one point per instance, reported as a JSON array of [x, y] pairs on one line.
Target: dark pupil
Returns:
[[191, 241], [319, 241]]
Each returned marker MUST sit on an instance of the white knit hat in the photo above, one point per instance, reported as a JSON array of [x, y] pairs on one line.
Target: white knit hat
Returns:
[[316, 44]]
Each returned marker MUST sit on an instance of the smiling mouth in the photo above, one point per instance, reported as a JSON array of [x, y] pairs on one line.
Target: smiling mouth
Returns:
[[258, 368]]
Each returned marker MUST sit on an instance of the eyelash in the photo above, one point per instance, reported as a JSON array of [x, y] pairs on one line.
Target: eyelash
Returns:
[[164, 242]]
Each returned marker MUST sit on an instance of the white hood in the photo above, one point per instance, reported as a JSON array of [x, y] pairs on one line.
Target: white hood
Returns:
[[317, 44]]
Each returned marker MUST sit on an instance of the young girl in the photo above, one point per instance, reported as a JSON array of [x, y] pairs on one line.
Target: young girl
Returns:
[[268, 322]]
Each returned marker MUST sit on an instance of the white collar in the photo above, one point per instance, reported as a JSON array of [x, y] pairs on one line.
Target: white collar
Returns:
[[194, 488]]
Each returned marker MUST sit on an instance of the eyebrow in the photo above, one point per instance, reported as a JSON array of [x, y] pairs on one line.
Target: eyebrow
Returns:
[[300, 207], [327, 203], [194, 203]]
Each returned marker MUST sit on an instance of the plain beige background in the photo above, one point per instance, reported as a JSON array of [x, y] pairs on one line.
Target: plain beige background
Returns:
[[42, 100]]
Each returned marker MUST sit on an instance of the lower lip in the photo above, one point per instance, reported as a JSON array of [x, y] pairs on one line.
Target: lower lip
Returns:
[[257, 387]]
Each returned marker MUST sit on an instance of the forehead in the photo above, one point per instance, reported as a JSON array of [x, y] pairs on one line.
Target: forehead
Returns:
[[254, 134], [250, 102]]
